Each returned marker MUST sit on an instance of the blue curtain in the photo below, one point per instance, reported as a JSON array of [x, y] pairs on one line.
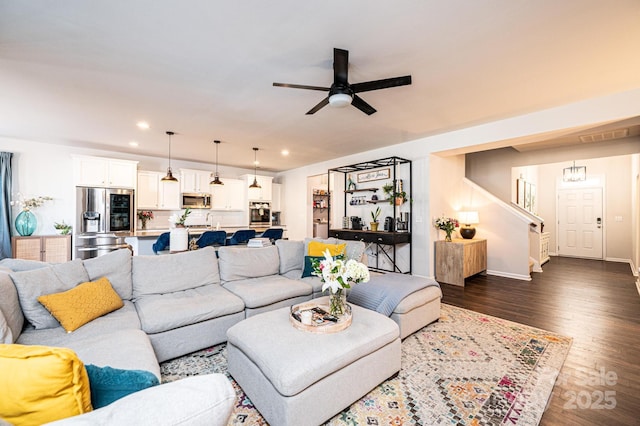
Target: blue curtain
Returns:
[[5, 204]]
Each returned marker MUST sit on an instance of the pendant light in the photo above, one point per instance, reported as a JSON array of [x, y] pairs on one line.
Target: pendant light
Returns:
[[169, 177], [255, 183], [216, 179]]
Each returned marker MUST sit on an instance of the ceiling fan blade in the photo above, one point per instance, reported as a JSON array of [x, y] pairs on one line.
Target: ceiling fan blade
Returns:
[[381, 84], [316, 108], [301, 86], [340, 67], [359, 103]]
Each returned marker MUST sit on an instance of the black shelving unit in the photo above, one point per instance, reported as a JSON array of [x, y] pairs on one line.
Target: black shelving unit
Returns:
[[385, 242]]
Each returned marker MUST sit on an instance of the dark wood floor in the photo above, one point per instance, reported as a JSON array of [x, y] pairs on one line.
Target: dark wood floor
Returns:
[[594, 302]]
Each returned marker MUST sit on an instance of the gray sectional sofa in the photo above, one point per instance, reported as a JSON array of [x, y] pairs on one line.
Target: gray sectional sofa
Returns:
[[173, 304]]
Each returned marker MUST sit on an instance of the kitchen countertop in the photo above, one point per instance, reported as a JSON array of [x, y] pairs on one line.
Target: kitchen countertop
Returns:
[[198, 230]]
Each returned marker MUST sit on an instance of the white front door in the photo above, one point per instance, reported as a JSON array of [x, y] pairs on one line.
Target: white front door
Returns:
[[580, 222]]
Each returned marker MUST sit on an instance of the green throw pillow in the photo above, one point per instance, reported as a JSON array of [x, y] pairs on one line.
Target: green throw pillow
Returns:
[[309, 261], [110, 384], [308, 265]]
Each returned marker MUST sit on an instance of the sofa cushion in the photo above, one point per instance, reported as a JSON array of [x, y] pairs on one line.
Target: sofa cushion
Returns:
[[309, 261], [205, 400], [263, 291], [19, 265], [116, 266], [290, 252], [10, 305], [160, 274], [162, 312], [110, 384], [83, 303], [51, 279], [239, 263], [41, 384]]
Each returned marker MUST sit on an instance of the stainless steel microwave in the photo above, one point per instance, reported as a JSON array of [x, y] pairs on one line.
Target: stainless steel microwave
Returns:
[[196, 200]]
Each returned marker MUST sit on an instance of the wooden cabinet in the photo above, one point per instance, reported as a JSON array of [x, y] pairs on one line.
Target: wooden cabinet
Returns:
[[104, 172], [46, 248], [459, 259], [195, 181], [154, 194], [264, 193], [230, 196]]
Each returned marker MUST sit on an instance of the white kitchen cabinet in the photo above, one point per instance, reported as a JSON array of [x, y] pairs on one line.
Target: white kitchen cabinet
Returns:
[[154, 194], [229, 196], [104, 172], [276, 194], [195, 181], [263, 193]]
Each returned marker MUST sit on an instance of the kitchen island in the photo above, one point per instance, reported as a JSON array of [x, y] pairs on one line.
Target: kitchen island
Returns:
[[142, 240]]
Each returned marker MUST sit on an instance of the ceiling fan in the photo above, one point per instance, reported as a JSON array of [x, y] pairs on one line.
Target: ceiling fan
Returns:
[[341, 93]]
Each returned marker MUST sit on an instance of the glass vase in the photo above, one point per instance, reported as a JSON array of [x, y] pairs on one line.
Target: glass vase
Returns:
[[448, 237], [338, 303], [26, 223]]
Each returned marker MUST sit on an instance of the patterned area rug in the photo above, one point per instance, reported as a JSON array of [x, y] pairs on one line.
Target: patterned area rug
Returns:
[[465, 369]]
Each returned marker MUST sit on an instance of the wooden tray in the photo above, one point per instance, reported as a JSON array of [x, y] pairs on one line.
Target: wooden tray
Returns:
[[318, 325]]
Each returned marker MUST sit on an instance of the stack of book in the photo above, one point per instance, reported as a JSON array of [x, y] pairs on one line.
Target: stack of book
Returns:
[[259, 242]]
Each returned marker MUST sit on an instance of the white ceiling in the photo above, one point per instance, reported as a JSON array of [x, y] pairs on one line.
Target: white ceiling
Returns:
[[82, 73]]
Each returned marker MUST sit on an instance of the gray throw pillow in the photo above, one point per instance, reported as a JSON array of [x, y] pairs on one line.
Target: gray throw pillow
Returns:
[[6, 336], [52, 279], [291, 255]]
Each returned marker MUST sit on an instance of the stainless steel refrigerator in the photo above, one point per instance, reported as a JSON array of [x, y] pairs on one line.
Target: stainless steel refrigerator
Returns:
[[104, 218]]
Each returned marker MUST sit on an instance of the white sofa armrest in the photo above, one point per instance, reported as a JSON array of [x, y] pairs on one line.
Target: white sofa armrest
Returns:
[[199, 400]]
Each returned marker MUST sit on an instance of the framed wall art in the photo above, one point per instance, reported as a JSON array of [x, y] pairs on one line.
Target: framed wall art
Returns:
[[374, 175]]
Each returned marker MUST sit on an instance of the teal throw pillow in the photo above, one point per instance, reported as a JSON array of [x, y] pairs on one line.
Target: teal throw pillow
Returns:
[[309, 261], [110, 384], [308, 265]]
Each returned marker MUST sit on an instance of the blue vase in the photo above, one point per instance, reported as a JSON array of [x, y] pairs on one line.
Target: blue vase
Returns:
[[26, 223]]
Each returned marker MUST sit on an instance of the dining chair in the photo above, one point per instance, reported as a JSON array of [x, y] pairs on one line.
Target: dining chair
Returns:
[[241, 236], [273, 234], [162, 243], [212, 238]]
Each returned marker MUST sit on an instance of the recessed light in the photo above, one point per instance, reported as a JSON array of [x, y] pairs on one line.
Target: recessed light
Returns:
[[284, 152], [133, 143], [143, 125]]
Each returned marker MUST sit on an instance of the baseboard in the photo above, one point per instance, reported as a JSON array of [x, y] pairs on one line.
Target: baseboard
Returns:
[[509, 275]]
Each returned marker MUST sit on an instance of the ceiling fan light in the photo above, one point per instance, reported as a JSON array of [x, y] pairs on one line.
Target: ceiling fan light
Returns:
[[340, 100]]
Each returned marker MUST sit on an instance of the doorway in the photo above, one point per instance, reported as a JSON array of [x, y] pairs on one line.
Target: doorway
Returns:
[[580, 222]]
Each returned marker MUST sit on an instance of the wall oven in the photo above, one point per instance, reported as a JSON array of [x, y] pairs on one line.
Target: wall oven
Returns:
[[259, 214]]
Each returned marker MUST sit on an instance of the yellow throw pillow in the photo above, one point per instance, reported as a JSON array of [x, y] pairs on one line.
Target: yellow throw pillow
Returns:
[[316, 248], [82, 304], [41, 384]]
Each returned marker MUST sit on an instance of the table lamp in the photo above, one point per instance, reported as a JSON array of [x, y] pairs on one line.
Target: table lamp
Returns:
[[468, 218]]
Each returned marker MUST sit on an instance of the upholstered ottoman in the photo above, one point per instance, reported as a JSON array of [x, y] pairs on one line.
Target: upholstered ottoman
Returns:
[[299, 378]]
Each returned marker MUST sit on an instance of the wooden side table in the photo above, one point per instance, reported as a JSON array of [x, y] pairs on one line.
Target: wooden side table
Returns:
[[46, 248], [459, 259]]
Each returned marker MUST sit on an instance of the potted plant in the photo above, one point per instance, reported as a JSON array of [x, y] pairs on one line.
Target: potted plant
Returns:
[[394, 197], [62, 228], [374, 217]]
